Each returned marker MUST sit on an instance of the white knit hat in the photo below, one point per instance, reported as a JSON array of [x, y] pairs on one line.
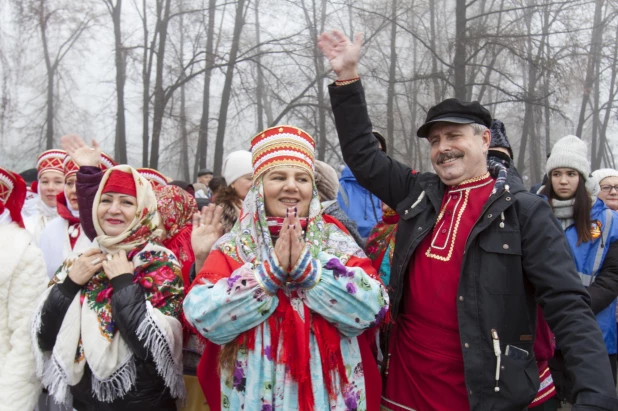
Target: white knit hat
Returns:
[[602, 173], [236, 165], [572, 152]]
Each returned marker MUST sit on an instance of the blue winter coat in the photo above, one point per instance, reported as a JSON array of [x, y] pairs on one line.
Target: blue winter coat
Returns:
[[358, 203], [589, 257]]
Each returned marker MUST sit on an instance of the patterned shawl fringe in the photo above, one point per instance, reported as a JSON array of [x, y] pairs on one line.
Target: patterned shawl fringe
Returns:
[[156, 342], [118, 384], [55, 379], [47, 368], [35, 328]]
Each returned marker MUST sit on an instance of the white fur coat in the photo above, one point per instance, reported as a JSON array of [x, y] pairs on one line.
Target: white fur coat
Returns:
[[22, 280]]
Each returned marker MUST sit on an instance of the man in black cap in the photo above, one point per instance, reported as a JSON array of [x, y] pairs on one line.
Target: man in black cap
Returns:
[[201, 188], [204, 176], [475, 253]]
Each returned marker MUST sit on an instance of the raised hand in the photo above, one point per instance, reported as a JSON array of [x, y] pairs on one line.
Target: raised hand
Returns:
[[342, 53], [87, 265], [297, 240], [117, 264], [80, 152], [207, 229]]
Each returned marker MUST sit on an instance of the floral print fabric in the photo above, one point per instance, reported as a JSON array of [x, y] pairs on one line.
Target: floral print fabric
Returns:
[[343, 292], [176, 207]]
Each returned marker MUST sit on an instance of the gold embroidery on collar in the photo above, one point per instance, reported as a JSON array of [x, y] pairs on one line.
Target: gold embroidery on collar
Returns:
[[474, 179], [450, 239]]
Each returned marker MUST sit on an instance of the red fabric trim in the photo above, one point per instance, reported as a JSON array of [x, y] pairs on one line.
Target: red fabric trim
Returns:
[[180, 245], [120, 182], [63, 210], [208, 376], [373, 379], [16, 200], [332, 220]]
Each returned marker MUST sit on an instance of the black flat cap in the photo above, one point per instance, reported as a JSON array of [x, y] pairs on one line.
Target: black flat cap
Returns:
[[203, 172], [453, 110]]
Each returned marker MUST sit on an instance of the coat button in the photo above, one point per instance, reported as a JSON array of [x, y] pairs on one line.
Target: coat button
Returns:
[[508, 199], [471, 392], [490, 215], [420, 228], [505, 246], [467, 345], [461, 298]]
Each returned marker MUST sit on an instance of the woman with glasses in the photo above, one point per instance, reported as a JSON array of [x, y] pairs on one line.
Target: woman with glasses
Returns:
[[608, 180], [591, 229]]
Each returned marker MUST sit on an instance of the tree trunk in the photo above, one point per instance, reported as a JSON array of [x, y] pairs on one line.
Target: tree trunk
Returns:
[[595, 45], [392, 78], [202, 141], [146, 70], [437, 93], [50, 67], [184, 135], [227, 86], [595, 161], [459, 61], [259, 90], [120, 144], [610, 102], [159, 93]]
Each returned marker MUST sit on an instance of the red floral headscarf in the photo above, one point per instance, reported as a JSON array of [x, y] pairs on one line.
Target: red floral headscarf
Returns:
[[176, 208]]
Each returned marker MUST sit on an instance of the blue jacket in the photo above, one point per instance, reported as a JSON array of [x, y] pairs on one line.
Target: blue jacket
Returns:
[[589, 259], [358, 203]]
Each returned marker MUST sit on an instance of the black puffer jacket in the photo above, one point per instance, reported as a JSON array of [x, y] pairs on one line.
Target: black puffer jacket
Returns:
[[129, 310], [515, 257]]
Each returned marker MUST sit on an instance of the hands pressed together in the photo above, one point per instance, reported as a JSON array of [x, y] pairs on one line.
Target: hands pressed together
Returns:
[[291, 242]]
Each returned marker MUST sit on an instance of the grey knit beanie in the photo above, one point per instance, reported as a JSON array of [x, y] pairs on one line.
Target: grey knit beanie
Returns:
[[326, 181], [572, 152]]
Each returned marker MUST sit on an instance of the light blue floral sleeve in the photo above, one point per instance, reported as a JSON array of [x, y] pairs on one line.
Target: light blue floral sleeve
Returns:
[[345, 296], [231, 306]]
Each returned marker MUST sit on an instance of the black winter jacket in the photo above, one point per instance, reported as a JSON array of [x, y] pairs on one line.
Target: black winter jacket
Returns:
[[129, 309], [507, 268]]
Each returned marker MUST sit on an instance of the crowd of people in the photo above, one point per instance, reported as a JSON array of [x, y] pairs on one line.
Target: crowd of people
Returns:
[[281, 285]]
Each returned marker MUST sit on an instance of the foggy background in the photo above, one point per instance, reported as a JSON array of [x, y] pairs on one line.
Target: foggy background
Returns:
[[177, 84]]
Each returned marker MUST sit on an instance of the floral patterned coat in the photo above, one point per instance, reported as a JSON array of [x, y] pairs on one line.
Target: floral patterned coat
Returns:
[[233, 302]]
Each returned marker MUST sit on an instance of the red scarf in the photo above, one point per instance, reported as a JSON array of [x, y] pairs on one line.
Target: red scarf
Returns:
[[275, 224], [64, 212]]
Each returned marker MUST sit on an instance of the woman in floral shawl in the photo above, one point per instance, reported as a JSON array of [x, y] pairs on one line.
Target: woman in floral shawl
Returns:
[[287, 292], [107, 331], [381, 243], [177, 207]]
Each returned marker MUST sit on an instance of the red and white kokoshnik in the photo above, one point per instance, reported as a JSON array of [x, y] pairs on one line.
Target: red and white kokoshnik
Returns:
[[70, 168], [51, 160], [156, 179], [283, 145]]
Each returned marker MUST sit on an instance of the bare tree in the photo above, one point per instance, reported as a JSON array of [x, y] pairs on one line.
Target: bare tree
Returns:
[[55, 44], [120, 142], [202, 142], [239, 22]]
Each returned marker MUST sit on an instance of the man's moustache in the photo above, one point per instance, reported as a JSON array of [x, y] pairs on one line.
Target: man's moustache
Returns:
[[447, 156]]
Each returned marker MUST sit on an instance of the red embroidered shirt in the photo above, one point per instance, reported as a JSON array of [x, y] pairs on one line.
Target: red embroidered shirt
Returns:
[[426, 369]]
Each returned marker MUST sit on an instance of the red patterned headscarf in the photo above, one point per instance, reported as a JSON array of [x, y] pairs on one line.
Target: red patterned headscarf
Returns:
[[176, 208]]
